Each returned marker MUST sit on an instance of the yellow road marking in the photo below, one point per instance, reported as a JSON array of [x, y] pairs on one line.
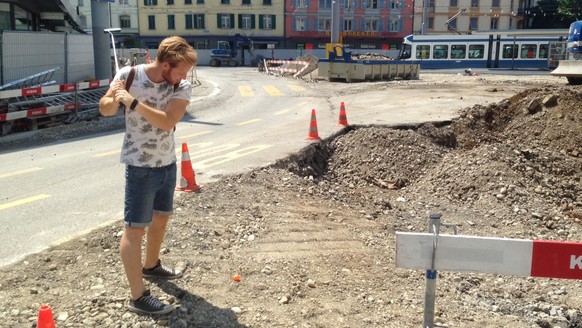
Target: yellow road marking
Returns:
[[296, 87], [10, 174], [282, 112], [249, 121], [231, 156], [113, 152], [273, 91], [246, 91], [195, 134], [23, 201]]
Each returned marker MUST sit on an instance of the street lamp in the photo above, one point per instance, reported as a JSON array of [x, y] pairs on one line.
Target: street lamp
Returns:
[[111, 31]]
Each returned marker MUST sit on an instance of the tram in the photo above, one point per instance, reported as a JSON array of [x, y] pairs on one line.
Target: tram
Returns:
[[518, 49]]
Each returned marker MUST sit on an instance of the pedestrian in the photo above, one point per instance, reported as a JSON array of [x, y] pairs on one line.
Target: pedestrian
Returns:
[[155, 103]]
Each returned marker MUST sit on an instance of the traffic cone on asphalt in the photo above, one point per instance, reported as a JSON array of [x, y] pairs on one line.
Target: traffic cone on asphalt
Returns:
[[312, 135], [188, 180], [343, 119], [45, 318]]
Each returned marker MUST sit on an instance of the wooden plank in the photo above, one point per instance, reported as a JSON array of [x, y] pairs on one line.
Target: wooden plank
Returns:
[[464, 253]]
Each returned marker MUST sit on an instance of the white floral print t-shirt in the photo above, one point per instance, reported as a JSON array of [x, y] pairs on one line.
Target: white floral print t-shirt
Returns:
[[144, 144]]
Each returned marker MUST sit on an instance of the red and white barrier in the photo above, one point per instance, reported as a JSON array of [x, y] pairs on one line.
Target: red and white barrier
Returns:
[[37, 112], [521, 257], [37, 91], [284, 69]]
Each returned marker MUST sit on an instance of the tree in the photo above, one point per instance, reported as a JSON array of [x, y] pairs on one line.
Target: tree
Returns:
[[547, 14], [570, 9]]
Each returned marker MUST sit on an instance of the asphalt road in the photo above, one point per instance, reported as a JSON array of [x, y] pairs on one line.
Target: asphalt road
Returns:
[[243, 120]]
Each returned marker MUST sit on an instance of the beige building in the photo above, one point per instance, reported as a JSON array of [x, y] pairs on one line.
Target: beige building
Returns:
[[465, 16], [205, 22]]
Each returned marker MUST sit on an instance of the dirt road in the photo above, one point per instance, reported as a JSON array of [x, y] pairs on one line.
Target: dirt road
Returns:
[[312, 236]]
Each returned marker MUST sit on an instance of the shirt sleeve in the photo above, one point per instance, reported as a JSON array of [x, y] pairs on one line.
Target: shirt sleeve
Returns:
[[184, 90]]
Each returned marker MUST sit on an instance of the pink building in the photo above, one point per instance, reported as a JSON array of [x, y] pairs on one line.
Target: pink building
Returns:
[[363, 24]]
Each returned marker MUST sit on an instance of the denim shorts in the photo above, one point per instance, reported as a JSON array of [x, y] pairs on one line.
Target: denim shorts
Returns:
[[148, 190]]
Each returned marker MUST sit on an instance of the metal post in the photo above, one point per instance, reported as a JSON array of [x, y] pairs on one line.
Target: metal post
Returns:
[[434, 224], [335, 16], [101, 52]]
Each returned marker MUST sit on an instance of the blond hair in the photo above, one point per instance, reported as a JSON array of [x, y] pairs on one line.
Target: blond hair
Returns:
[[175, 50]]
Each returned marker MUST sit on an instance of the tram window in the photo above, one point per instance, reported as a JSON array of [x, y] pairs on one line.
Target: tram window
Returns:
[[510, 51], [543, 51], [476, 51], [458, 51], [440, 51], [422, 52], [528, 50]]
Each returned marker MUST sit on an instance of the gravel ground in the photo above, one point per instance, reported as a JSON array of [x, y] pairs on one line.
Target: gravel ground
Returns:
[[312, 236]]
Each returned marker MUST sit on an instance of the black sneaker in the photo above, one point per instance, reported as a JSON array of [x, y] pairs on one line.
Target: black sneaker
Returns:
[[148, 304], [160, 271]]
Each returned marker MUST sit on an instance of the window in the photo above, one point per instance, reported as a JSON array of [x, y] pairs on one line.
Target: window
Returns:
[[371, 25], [494, 23], [124, 21], [395, 4], [194, 21], [300, 24], [170, 2], [394, 25], [430, 22], [246, 2], [528, 50], [371, 4], [454, 3], [301, 3], [474, 3], [150, 2], [324, 24], [151, 22], [225, 21], [121, 2], [474, 23], [325, 3], [440, 51], [171, 22], [187, 2], [510, 51], [543, 51], [22, 19], [266, 2], [348, 24], [5, 16], [422, 52], [225, 2], [453, 23], [476, 51], [458, 51], [495, 4], [266, 22], [246, 21], [200, 2]]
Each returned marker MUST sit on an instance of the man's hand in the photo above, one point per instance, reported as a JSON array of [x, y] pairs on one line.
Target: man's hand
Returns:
[[108, 104], [123, 97]]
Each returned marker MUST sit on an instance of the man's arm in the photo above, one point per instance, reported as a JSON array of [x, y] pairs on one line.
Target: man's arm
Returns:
[[108, 106], [165, 120]]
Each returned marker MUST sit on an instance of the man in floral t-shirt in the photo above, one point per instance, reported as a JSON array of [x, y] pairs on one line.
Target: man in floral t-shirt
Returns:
[[155, 102]]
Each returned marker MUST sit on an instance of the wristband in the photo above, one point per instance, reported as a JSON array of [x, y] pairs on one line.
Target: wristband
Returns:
[[133, 104]]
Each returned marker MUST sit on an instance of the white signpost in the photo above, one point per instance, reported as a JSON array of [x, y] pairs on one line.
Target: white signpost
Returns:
[[520, 257]]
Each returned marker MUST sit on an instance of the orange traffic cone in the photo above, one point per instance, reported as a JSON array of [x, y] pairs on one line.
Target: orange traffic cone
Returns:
[[148, 58], [188, 180], [45, 318], [343, 119], [312, 135]]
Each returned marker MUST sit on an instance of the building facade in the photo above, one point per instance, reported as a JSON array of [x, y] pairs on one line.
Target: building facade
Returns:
[[122, 14], [465, 16], [205, 22], [363, 24], [31, 15]]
